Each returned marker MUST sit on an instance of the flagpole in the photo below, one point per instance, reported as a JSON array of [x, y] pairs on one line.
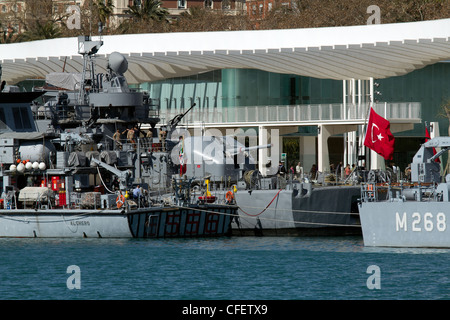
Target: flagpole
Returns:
[[366, 116]]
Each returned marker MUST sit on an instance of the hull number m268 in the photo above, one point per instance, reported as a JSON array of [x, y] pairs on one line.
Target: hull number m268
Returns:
[[421, 222]]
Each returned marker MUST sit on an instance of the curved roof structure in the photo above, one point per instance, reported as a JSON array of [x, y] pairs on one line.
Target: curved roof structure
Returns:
[[354, 52]]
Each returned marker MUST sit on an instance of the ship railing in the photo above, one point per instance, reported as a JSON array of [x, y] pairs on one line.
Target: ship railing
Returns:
[[151, 144], [153, 113], [276, 181], [401, 190], [329, 177], [113, 144], [415, 191], [145, 144], [64, 111]]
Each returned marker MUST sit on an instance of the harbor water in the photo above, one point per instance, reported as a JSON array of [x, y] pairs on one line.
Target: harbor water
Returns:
[[226, 268]]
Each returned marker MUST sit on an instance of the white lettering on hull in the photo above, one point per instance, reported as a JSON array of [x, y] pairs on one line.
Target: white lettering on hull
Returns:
[[421, 222]]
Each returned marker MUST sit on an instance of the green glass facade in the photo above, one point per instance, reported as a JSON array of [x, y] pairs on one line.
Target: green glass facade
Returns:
[[234, 88], [430, 86], [245, 87], [179, 93], [231, 88]]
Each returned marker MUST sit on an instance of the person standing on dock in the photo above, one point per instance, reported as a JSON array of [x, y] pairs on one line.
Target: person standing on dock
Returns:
[[281, 169], [313, 172], [347, 170], [299, 170]]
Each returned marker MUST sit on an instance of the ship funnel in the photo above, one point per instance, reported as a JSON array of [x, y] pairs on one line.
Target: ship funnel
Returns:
[[118, 63]]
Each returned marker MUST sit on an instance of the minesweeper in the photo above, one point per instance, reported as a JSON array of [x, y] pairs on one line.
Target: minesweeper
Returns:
[[278, 205], [414, 214]]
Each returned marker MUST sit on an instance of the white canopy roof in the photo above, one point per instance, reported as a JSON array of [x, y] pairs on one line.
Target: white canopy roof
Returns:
[[359, 52]]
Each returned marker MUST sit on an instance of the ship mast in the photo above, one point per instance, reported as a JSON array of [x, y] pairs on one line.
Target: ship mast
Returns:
[[88, 48]]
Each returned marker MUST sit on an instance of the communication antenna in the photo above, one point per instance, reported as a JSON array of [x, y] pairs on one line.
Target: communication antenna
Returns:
[[100, 29], [88, 48]]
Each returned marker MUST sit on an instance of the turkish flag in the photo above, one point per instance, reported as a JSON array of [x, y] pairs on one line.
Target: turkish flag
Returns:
[[379, 137]]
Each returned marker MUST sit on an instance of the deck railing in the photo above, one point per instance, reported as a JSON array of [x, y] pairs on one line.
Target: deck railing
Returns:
[[297, 113]]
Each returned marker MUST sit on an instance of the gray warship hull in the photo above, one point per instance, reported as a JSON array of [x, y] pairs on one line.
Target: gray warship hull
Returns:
[[164, 222], [405, 224], [415, 213], [67, 171], [301, 211]]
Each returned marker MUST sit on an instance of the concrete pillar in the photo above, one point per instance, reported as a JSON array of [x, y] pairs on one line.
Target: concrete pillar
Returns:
[[269, 155], [326, 131], [263, 154], [323, 161], [376, 161], [308, 152], [351, 155]]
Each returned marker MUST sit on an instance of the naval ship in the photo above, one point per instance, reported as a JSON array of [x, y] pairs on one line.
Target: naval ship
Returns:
[[286, 206], [67, 170], [414, 213]]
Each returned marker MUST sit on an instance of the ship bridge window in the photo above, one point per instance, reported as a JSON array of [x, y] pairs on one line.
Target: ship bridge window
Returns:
[[2, 119], [21, 118]]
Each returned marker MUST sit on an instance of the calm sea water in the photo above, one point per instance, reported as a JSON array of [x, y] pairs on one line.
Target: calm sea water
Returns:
[[237, 268]]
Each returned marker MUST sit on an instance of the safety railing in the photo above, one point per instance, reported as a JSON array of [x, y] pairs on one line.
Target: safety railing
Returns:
[[298, 113]]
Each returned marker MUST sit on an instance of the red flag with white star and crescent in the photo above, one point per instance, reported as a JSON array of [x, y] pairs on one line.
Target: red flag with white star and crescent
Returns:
[[379, 137]]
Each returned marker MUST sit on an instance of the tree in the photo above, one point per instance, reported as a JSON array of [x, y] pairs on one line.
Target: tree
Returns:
[[418, 10], [331, 13], [105, 9], [8, 34], [203, 19], [147, 9], [38, 20], [445, 112], [145, 16], [42, 30]]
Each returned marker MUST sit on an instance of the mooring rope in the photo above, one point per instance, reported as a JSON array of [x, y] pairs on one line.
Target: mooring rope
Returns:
[[255, 215]]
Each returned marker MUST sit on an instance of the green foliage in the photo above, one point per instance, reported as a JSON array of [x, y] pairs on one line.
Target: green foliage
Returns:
[[145, 16], [147, 10], [41, 30], [8, 34], [105, 9]]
